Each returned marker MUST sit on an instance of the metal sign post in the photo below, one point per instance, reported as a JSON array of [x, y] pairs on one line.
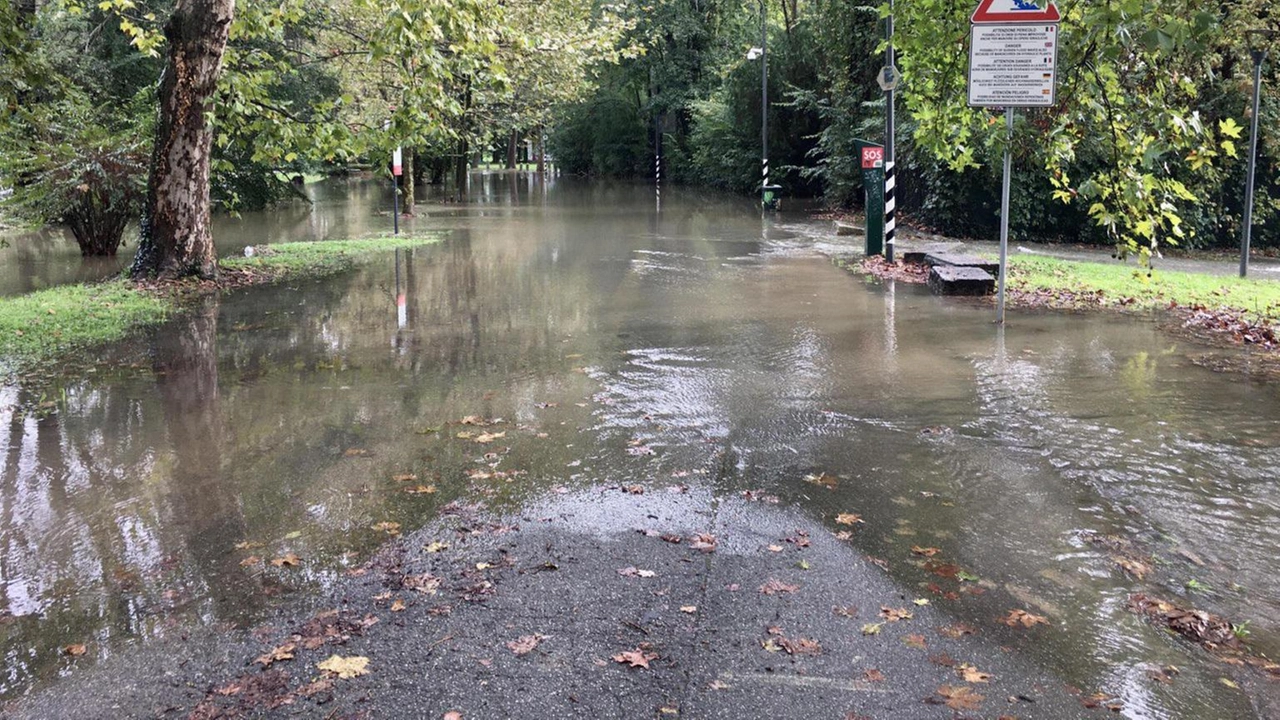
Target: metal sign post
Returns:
[[1013, 63], [397, 169], [873, 184]]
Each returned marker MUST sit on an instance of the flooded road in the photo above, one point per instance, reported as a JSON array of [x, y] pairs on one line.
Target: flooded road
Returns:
[[624, 343]]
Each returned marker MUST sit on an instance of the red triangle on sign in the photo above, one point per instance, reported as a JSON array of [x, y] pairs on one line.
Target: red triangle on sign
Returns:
[[1015, 11]]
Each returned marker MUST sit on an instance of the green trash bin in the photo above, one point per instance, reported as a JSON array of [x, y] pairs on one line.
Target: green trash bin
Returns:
[[872, 156], [769, 197]]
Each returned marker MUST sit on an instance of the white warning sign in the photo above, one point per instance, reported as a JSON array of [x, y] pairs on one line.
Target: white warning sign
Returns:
[[1013, 65]]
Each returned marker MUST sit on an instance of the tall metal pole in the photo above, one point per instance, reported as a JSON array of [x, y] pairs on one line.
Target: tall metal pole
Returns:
[[889, 125], [1004, 215], [764, 105], [1259, 57]]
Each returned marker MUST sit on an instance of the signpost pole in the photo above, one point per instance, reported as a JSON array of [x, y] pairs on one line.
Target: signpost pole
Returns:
[[889, 131], [1004, 214]]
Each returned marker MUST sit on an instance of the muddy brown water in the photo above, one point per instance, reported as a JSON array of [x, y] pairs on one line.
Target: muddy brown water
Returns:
[[622, 342]]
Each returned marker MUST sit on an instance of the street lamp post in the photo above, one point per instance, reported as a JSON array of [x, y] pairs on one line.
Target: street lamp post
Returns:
[[1259, 53]]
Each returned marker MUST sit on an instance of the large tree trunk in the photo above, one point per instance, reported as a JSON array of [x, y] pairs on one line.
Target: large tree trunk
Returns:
[[408, 182], [176, 240], [513, 150]]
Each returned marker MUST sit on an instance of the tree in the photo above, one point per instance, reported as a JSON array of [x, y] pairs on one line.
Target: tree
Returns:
[[176, 240]]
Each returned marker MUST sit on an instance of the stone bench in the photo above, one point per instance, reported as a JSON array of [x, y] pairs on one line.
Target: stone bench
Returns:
[[957, 280]]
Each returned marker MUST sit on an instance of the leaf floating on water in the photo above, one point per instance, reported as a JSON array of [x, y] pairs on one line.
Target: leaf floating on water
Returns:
[[848, 519], [248, 545], [251, 561], [486, 438], [421, 490], [345, 667], [390, 528], [405, 477], [925, 551], [356, 452]]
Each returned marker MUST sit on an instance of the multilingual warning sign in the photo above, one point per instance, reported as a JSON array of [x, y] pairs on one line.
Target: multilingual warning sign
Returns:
[[1013, 65], [1015, 11]]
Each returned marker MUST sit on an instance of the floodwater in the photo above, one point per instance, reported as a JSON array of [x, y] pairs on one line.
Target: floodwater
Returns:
[[627, 342]]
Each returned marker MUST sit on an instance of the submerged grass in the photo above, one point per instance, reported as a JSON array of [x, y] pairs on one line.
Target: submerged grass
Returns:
[[1124, 285], [41, 327]]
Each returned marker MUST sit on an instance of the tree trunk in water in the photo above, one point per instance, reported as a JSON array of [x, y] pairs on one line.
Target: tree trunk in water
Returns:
[[176, 240], [408, 187], [462, 169], [513, 150], [542, 151]]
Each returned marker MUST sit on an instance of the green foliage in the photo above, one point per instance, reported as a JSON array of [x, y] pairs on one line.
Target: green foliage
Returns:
[[325, 257]]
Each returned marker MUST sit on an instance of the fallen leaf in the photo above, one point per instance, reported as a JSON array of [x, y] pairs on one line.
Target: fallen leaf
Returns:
[[283, 652], [633, 489], [704, 542], [525, 644], [405, 477], [955, 632], [776, 587], [914, 641], [848, 519], [390, 528], [690, 609], [251, 560], [826, 480], [921, 602], [288, 559], [895, 614], [345, 667], [75, 650], [848, 611], [925, 551], [421, 490], [960, 697], [717, 685], [356, 452], [873, 675], [633, 572], [436, 547], [485, 438], [398, 605], [248, 545], [775, 548], [1023, 618], [452, 715], [872, 628], [972, 674], [637, 658], [1229, 683]]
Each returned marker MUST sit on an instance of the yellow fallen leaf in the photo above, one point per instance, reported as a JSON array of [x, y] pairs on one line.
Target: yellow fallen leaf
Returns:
[[436, 547], [848, 519], [390, 528], [345, 667], [397, 606]]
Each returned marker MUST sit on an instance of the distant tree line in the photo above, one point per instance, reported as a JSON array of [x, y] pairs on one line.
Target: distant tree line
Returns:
[[1146, 146]]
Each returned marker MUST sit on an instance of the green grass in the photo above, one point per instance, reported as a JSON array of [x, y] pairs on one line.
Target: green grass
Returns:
[[50, 323], [42, 327], [1124, 285]]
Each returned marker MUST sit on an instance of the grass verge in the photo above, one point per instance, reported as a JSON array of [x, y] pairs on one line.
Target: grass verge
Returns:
[[1067, 283], [42, 327]]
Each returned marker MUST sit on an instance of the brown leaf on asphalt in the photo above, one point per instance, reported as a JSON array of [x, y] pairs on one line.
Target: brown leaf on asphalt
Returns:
[[914, 641], [873, 675], [638, 658], [895, 614], [872, 628], [345, 667], [774, 548], [943, 660], [288, 559], [398, 605], [633, 572], [452, 715], [405, 477], [1023, 618], [672, 538], [436, 546], [925, 551], [251, 560], [315, 688], [75, 650], [777, 587], [847, 611], [525, 644], [633, 489], [426, 583], [283, 652], [959, 697], [848, 518], [689, 609], [826, 480], [972, 674], [704, 542]]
